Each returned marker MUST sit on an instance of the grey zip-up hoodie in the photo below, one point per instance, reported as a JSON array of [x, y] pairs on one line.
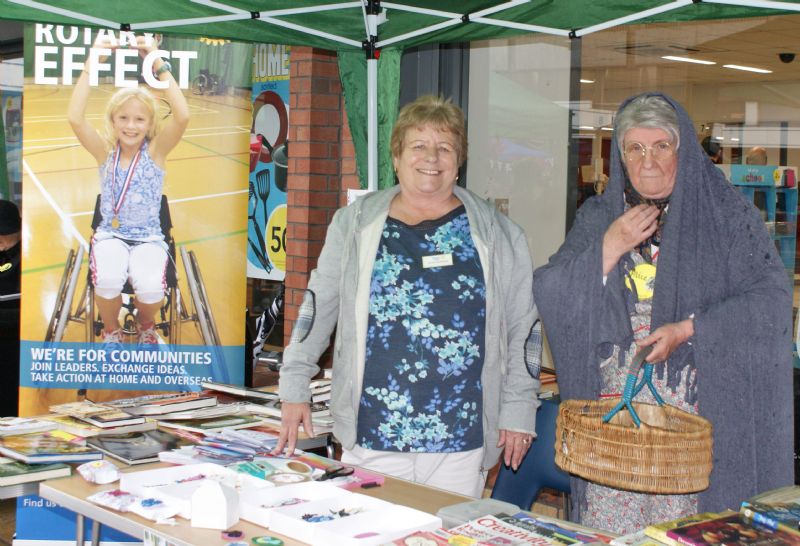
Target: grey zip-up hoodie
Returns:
[[338, 294]]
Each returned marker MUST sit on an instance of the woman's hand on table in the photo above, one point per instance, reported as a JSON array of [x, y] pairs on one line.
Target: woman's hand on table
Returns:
[[293, 414], [515, 445]]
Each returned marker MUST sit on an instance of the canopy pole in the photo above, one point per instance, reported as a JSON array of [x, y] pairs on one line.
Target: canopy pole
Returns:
[[373, 9]]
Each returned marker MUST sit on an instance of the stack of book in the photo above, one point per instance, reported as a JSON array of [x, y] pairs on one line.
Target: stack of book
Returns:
[[99, 415], [161, 404], [15, 472], [46, 448], [136, 447]]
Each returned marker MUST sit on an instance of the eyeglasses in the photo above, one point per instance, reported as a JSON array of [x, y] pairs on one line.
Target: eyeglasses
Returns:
[[636, 151]]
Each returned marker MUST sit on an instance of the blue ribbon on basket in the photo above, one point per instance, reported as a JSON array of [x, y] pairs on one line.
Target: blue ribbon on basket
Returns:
[[632, 388]]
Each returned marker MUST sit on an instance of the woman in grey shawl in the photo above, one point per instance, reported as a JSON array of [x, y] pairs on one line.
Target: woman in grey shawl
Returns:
[[717, 314]]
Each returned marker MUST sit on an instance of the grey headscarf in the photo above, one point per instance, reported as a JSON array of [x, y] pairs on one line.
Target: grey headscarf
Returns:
[[716, 262]]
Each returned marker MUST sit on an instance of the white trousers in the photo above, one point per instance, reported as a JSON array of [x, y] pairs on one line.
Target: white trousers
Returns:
[[113, 261], [456, 472]]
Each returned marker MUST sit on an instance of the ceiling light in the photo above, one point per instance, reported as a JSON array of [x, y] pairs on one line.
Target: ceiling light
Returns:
[[748, 68], [720, 138], [734, 139], [586, 127], [606, 128], [686, 59], [586, 81]]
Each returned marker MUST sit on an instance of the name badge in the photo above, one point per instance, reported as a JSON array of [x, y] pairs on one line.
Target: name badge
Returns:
[[437, 260]]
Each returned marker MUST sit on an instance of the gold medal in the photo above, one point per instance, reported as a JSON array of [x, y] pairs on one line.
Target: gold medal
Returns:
[[115, 222]]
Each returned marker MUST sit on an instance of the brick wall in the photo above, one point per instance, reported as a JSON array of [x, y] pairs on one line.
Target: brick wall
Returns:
[[321, 166]]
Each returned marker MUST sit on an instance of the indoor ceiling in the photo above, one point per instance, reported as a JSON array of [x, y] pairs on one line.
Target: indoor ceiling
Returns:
[[628, 59]]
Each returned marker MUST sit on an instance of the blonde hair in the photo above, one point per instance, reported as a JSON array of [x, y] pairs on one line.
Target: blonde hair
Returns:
[[438, 112], [121, 97]]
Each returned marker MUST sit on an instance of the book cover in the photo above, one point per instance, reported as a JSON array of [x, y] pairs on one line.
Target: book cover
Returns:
[[22, 425], [566, 529], [136, 447], [158, 404], [730, 530], [15, 472], [202, 425], [43, 448], [784, 516], [658, 531]]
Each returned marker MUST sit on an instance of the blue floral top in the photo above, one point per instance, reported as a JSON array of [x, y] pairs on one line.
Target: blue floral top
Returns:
[[425, 340]]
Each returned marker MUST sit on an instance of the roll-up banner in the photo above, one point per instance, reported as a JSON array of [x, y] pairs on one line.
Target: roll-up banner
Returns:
[[135, 198]]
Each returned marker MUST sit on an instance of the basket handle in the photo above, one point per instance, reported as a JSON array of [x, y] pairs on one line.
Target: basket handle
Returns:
[[632, 389]]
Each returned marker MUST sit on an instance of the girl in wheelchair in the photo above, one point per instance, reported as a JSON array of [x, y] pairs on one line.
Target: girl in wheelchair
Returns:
[[128, 244]]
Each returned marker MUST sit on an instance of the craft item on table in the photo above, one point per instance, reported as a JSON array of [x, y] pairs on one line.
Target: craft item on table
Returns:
[[256, 506], [260, 469], [15, 472], [176, 485], [349, 519], [99, 472], [214, 506], [23, 425], [153, 509], [115, 499], [43, 448], [232, 535], [336, 471], [359, 478], [266, 540]]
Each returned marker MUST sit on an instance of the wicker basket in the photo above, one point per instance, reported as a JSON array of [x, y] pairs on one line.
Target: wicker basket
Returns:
[[669, 453]]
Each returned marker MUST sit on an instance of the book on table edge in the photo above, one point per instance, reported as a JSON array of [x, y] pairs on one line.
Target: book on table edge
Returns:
[[81, 428], [784, 516], [15, 472], [486, 529], [273, 408], [238, 390], [158, 404], [658, 531], [114, 418], [566, 528], [635, 539], [43, 448], [23, 425], [728, 530], [788, 493], [202, 425], [136, 447]]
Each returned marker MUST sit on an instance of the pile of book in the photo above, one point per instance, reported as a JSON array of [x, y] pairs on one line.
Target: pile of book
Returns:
[[769, 519], [267, 405]]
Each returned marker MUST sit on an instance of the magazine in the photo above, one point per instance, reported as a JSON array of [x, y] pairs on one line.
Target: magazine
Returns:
[[136, 447], [784, 515], [43, 448], [490, 528]]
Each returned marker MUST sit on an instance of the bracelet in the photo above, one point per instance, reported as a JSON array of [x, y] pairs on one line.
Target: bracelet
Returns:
[[165, 67]]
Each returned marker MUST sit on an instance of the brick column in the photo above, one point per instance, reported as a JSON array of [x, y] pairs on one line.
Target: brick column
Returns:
[[321, 166]]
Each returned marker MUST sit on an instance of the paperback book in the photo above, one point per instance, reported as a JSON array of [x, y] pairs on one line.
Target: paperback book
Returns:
[[85, 430], [159, 404], [101, 415], [784, 516], [136, 447], [491, 529], [22, 425], [43, 448], [15, 472], [203, 425], [730, 530], [238, 390]]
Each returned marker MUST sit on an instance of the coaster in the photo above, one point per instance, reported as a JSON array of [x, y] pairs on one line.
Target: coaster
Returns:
[[266, 541]]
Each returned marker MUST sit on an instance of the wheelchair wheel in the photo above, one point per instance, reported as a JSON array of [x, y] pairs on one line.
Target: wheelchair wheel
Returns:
[[202, 307], [66, 291], [200, 85]]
